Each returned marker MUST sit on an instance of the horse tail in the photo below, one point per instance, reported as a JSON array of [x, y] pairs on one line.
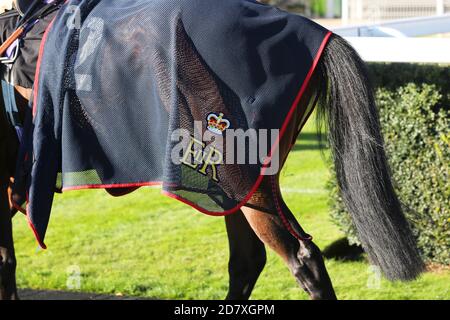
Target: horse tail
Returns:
[[348, 112]]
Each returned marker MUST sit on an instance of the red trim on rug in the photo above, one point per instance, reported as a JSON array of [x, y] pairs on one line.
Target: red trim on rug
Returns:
[[33, 228], [41, 244], [38, 66], [202, 210]]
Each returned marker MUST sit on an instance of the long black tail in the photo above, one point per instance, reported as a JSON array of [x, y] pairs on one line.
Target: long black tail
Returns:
[[349, 112]]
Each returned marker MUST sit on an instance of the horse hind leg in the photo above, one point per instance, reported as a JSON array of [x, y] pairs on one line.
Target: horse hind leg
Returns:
[[247, 257], [276, 226], [299, 252]]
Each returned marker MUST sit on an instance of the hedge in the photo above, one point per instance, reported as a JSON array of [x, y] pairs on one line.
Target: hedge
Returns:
[[414, 108]]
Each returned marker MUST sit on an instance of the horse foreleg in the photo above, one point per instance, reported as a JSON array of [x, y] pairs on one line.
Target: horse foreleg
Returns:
[[8, 289], [7, 257], [302, 257], [247, 257]]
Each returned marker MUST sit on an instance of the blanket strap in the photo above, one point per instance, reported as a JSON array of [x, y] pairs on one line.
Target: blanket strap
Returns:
[[277, 196], [10, 103]]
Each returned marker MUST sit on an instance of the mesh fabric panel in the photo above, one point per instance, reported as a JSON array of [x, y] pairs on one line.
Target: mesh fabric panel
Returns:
[[112, 93]]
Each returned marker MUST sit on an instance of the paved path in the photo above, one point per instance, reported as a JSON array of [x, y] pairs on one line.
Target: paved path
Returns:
[[27, 294]]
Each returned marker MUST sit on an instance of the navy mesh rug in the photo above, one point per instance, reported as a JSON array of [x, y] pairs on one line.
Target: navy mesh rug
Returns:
[[124, 87]]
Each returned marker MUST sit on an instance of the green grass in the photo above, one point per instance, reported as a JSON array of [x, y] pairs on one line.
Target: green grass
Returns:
[[146, 244]]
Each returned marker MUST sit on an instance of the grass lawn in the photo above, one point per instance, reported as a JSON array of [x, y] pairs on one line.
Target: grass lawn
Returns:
[[146, 244]]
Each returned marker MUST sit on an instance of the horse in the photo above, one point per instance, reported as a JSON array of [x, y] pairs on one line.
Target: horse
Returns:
[[7, 256], [9, 141], [9, 146], [346, 108]]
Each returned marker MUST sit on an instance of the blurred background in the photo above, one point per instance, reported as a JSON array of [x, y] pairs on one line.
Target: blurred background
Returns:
[[5, 4], [350, 11], [344, 12]]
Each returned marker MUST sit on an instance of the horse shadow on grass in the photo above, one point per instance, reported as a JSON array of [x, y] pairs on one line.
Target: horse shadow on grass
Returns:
[[342, 250]]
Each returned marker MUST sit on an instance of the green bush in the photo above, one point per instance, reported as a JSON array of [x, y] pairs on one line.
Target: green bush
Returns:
[[395, 75], [416, 124]]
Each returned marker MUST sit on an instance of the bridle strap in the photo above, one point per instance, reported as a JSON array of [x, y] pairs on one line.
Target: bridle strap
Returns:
[[27, 21]]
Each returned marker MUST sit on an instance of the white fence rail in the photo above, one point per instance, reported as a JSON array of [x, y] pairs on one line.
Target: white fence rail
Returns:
[[378, 10], [413, 50], [394, 41], [412, 27]]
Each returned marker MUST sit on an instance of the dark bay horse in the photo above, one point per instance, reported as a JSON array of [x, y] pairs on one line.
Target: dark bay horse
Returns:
[[22, 27], [9, 146], [347, 109], [7, 258]]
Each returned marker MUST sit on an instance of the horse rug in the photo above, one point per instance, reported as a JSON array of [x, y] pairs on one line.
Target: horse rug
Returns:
[[134, 93]]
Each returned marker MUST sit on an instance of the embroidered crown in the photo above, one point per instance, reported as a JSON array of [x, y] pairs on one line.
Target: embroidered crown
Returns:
[[217, 123]]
